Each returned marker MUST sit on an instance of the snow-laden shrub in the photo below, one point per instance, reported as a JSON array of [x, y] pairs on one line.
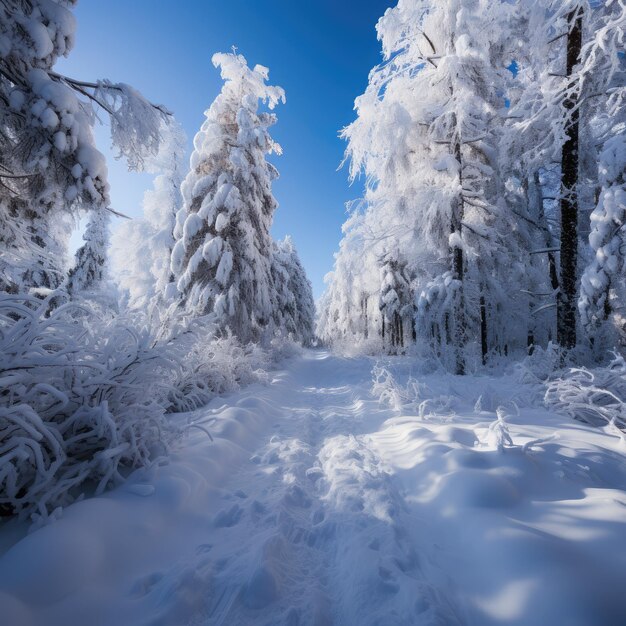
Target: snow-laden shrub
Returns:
[[284, 346], [81, 399], [497, 435], [353, 345], [540, 365], [412, 396], [84, 395], [597, 396], [213, 362], [212, 366], [388, 391]]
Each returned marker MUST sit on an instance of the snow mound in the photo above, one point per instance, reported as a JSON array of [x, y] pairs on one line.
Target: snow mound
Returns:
[[313, 503]]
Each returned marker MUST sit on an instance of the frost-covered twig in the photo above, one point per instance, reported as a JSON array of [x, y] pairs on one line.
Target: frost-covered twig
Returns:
[[84, 396], [596, 397]]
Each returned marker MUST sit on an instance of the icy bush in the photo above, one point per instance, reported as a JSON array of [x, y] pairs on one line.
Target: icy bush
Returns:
[[413, 396], [284, 346], [84, 395], [389, 392], [212, 367], [80, 401], [540, 365], [597, 396], [497, 435]]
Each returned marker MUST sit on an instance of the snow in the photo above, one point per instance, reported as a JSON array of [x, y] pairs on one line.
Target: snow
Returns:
[[325, 499]]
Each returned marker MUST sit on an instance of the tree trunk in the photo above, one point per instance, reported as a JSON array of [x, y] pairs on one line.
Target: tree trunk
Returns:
[[548, 240], [606, 309], [483, 328], [457, 269], [364, 315], [566, 301]]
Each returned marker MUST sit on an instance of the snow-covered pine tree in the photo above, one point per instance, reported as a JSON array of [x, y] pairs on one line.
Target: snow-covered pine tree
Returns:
[[90, 266], [602, 289], [396, 302], [142, 248], [570, 176], [565, 77], [530, 157], [348, 313], [430, 161], [222, 256], [49, 166], [607, 238], [295, 307]]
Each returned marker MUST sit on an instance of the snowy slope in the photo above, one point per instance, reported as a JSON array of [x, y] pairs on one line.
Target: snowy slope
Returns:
[[319, 504]]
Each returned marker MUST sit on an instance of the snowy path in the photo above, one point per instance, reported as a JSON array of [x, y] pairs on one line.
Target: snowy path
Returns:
[[318, 505]]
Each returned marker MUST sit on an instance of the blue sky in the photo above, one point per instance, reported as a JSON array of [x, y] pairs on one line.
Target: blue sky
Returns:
[[319, 51]]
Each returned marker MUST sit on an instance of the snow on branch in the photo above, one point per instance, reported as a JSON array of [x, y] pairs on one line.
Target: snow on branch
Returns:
[[596, 397]]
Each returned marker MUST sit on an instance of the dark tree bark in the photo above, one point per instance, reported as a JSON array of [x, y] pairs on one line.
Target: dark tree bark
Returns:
[[364, 315], [457, 268], [566, 301], [483, 328]]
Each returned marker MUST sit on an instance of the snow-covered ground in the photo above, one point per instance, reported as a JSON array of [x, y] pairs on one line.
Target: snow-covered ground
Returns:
[[319, 504]]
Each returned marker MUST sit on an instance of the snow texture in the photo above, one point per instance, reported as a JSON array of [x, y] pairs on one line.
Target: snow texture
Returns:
[[315, 503]]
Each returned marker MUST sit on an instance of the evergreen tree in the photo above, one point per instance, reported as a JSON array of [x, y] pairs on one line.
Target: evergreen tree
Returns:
[[90, 267], [295, 308], [348, 311], [50, 168], [142, 248], [570, 175], [607, 238], [397, 302], [566, 77], [431, 161], [222, 256], [602, 285]]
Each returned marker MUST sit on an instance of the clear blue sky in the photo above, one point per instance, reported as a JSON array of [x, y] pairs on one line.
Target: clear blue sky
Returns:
[[319, 51]]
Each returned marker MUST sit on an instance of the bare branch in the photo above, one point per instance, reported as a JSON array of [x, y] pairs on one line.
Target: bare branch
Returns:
[[558, 37], [81, 86], [544, 250], [550, 305]]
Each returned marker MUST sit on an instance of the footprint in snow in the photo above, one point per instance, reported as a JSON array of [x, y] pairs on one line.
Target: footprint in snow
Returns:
[[141, 489], [296, 496], [203, 548], [260, 590], [144, 585], [228, 517]]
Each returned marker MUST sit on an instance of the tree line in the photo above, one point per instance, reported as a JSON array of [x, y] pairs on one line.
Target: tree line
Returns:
[[492, 139]]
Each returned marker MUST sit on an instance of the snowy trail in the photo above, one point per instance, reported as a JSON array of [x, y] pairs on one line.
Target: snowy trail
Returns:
[[318, 505]]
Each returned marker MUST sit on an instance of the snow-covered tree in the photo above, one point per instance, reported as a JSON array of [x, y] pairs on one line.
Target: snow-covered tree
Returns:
[[567, 71], [295, 307], [222, 256], [142, 248], [90, 267], [396, 302], [602, 290], [426, 137], [49, 165], [607, 238], [348, 313]]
